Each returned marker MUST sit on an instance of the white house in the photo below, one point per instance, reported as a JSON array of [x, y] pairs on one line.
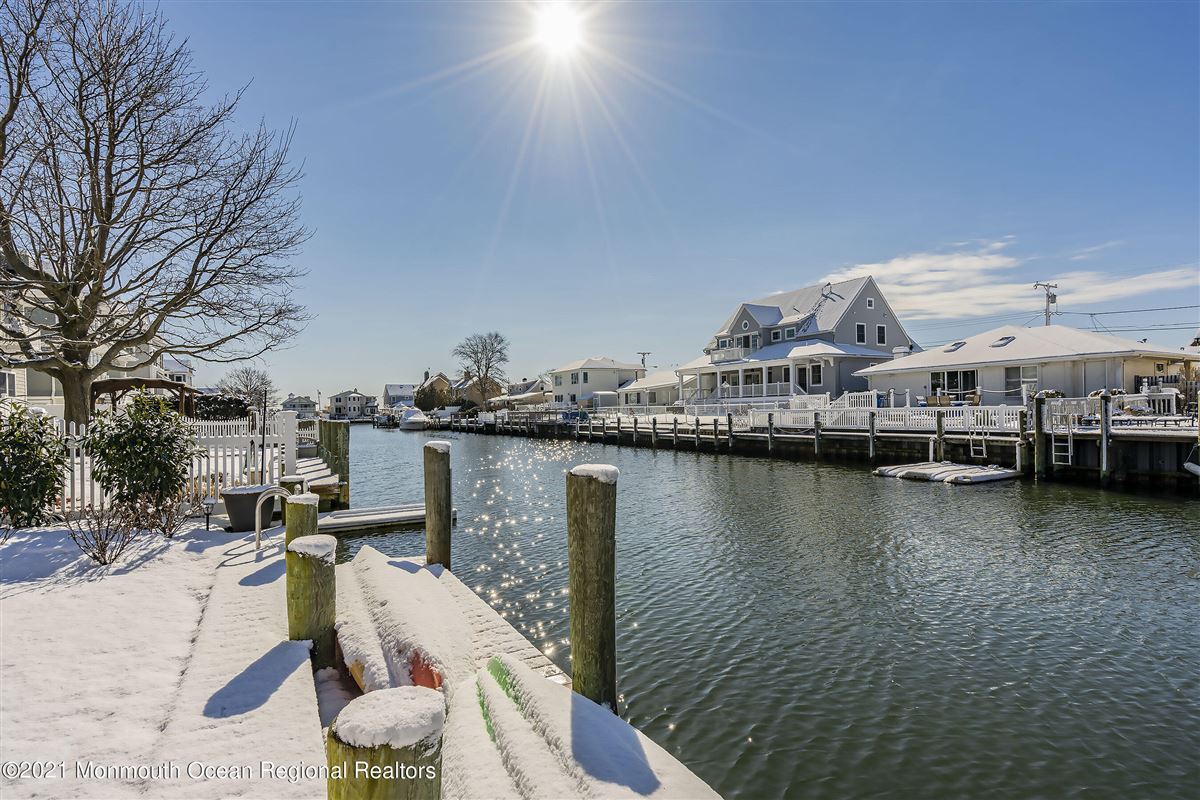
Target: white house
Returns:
[[304, 406], [655, 389], [351, 404], [177, 370], [997, 363], [38, 390], [525, 392], [809, 341], [576, 383], [399, 394]]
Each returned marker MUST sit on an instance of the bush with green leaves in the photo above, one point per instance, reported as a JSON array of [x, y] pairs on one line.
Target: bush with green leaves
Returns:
[[142, 453], [32, 460]]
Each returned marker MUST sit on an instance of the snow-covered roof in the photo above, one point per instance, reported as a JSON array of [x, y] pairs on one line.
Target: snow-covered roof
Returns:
[[658, 380], [304, 399], [1014, 344], [787, 307], [433, 378], [399, 388], [172, 364], [597, 362]]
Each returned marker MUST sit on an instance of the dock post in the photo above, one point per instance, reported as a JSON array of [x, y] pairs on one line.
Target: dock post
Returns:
[[618, 429], [1040, 443], [438, 507], [940, 434], [716, 435], [367, 759], [312, 592], [654, 433], [770, 432], [578, 422], [1105, 436], [290, 484], [635, 431], [591, 428], [675, 433], [604, 429], [871, 435], [591, 565], [816, 434], [729, 432], [696, 433]]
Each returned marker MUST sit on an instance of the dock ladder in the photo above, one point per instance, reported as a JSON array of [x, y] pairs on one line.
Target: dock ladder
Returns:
[[977, 437], [1062, 450]]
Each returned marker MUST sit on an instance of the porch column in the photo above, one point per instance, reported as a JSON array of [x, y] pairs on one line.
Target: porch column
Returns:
[[679, 375], [791, 380], [741, 381], [764, 382]]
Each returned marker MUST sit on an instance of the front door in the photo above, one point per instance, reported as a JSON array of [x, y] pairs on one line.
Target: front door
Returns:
[[802, 378]]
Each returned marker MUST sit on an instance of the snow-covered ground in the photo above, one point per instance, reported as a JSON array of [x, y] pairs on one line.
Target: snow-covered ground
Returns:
[[168, 674]]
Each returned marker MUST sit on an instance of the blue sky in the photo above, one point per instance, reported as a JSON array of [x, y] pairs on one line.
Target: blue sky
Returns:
[[693, 155]]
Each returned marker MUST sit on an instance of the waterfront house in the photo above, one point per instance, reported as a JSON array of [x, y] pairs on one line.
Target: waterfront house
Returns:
[[809, 341], [469, 389], [576, 383], [351, 404], [525, 392], [304, 406], [398, 394], [997, 364], [655, 389]]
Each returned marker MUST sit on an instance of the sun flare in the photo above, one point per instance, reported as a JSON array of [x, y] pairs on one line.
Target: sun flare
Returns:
[[559, 28]]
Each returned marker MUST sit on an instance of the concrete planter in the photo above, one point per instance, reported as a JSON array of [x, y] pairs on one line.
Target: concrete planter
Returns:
[[239, 505]]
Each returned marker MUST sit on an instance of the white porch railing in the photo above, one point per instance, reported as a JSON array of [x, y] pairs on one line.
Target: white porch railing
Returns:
[[993, 419], [728, 354], [231, 453]]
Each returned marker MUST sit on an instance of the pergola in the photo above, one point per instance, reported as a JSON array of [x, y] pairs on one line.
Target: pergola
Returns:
[[117, 388]]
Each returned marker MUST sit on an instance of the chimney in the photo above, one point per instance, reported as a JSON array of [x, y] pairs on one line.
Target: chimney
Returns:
[[426, 374], [901, 351]]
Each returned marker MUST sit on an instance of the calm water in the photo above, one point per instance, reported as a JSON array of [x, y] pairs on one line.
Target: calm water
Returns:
[[793, 630]]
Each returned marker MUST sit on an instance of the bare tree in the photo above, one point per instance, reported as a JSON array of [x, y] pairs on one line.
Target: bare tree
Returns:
[[483, 356], [135, 220], [250, 384]]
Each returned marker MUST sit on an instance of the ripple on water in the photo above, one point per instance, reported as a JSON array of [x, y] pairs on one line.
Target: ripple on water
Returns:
[[796, 630]]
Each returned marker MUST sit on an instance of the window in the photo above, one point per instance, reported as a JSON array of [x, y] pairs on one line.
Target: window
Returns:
[[745, 324], [815, 379], [722, 343], [870, 302], [881, 334], [652, 398], [8, 384], [585, 377], [558, 398], [558, 380], [574, 377], [573, 398], [776, 335], [860, 332], [956, 383], [1003, 341], [1016, 377], [789, 333]]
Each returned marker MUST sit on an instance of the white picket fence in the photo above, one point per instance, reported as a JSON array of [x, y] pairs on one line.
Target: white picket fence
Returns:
[[231, 453]]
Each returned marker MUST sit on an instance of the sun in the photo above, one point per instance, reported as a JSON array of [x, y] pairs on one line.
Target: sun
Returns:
[[559, 28]]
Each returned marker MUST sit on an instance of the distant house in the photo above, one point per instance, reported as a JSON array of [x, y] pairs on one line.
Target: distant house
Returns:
[[351, 404], [809, 341], [525, 392], [999, 362], [398, 394], [436, 381], [177, 370], [655, 389], [469, 389], [304, 406], [576, 383]]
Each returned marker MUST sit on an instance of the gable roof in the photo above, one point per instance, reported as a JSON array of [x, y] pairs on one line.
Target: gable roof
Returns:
[[1047, 343], [303, 398], [658, 380], [433, 378], [399, 388], [784, 308], [597, 362]]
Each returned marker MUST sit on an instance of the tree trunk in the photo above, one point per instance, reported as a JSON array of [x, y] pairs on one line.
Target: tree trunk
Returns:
[[77, 395]]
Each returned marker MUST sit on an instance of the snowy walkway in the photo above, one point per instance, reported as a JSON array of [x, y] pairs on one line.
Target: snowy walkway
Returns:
[[175, 660]]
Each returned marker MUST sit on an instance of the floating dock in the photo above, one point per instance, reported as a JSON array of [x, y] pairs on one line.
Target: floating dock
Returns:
[[948, 472]]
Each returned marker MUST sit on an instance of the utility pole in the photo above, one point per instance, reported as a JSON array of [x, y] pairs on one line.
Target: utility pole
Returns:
[[643, 354], [1051, 297]]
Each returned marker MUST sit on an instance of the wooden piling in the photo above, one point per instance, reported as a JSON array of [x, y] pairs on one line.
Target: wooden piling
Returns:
[[591, 554], [675, 433], [940, 435], [654, 433], [729, 432], [770, 432], [290, 484], [372, 758], [817, 434], [1105, 437], [1041, 442], [301, 518], [437, 503], [635, 430], [716, 434], [696, 434], [871, 435], [311, 592]]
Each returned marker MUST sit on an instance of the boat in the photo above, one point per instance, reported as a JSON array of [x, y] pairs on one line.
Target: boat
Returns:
[[412, 419]]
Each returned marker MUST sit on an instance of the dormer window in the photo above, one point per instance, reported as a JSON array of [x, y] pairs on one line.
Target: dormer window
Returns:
[[776, 335], [789, 333], [953, 347], [1003, 341]]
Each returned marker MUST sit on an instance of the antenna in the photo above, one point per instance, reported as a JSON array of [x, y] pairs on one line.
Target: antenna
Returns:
[[1051, 297], [643, 354]]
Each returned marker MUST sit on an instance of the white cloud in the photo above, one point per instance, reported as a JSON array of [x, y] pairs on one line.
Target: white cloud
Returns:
[[1087, 252], [980, 281]]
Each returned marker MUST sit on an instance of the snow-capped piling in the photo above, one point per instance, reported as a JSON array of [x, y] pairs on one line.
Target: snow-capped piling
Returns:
[[300, 515], [438, 509], [290, 484], [311, 590], [387, 745], [592, 561]]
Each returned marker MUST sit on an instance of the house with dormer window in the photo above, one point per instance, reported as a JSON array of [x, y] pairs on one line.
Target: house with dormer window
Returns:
[[809, 341]]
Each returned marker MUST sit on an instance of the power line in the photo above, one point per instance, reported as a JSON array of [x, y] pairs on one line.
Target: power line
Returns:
[[1130, 311]]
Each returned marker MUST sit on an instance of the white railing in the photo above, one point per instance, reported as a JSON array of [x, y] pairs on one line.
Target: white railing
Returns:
[[1061, 413], [968, 419], [229, 453], [728, 354]]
